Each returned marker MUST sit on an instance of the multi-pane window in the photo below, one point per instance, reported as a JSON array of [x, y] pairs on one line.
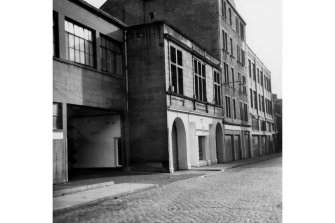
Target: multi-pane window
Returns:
[[234, 108], [176, 62], [230, 20], [251, 99], [228, 113], [225, 41], [79, 44], [226, 73], [55, 35], [224, 9], [57, 116], [111, 56], [217, 88], [200, 80]]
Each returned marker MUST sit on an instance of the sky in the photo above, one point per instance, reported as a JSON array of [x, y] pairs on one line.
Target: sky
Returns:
[[263, 33]]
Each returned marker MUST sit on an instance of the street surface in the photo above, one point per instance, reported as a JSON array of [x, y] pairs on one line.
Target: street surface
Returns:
[[251, 193]]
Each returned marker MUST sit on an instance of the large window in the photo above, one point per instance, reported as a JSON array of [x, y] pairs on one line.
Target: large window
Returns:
[[176, 59], [228, 113], [111, 56], [200, 80], [79, 44], [217, 88], [57, 117]]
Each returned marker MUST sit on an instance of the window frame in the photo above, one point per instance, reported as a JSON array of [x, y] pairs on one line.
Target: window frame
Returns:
[[179, 88], [217, 80], [200, 88], [120, 54]]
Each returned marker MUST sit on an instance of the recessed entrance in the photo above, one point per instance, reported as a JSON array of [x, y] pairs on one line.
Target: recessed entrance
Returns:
[[94, 142], [219, 143], [202, 146], [178, 147]]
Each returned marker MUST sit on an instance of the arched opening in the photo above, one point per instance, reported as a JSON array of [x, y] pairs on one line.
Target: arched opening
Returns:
[[179, 153], [219, 143]]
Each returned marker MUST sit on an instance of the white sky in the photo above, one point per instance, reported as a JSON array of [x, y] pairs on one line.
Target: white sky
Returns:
[[263, 33]]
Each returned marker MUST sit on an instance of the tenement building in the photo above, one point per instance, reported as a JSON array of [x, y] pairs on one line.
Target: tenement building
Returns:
[[89, 89], [261, 106]]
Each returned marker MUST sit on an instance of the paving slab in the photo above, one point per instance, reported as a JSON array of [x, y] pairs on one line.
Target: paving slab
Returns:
[[74, 200]]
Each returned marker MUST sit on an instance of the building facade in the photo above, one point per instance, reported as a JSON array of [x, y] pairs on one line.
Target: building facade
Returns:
[[89, 89], [175, 100]]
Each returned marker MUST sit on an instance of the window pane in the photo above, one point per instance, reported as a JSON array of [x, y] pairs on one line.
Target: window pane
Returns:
[[71, 41], [180, 57], [71, 56], [82, 57], [77, 58], [180, 80], [174, 77], [195, 66], [76, 43], [81, 45], [70, 26], [173, 54]]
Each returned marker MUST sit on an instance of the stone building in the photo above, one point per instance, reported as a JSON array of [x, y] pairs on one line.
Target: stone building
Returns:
[[261, 106], [89, 89], [217, 27], [175, 100]]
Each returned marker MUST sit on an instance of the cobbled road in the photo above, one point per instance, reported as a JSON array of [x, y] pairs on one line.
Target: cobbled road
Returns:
[[250, 193]]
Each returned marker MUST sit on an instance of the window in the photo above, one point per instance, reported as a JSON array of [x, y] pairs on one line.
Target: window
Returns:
[[57, 117], [228, 114], [265, 82], [242, 30], [224, 9], [217, 88], [226, 73], [238, 49], [258, 75], [111, 56], [200, 80], [260, 102], [233, 77], [79, 44], [262, 78], [239, 79], [55, 39], [234, 107], [230, 21], [244, 85], [245, 112], [176, 63], [241, 111], [263, 109], [231, 47], [249, 68], [255, 100], [254, 71], [224, 41], [237, 24], [251, 99]]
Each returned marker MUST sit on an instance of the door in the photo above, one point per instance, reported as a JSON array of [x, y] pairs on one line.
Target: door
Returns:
[[174, 147], [237, 147], [246, 145], [229, 152], [255, 145], [201, 148]]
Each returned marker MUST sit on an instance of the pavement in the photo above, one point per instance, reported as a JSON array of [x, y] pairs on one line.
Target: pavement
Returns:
[[89, 192]]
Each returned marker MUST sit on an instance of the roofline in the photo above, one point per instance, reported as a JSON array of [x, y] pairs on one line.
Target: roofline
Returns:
[[100, 13], [235, 10], [177, 30]]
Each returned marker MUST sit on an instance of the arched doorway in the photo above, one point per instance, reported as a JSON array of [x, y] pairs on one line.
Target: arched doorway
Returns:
[[219, 143], [179, 153]]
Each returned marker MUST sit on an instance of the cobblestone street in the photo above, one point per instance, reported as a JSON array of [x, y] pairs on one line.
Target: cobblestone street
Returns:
[[251, 193]]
